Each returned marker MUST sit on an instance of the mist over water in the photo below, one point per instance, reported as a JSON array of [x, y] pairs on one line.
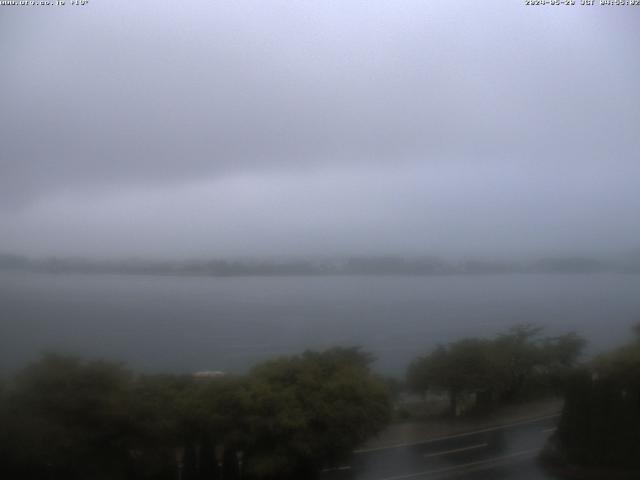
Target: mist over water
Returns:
[[186, 324], [207, 186], [247, 129]]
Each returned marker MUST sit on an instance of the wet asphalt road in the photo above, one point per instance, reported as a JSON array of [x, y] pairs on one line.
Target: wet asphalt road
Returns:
[[505, 452]]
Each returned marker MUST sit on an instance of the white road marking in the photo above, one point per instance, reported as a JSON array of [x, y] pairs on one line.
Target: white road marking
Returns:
[[456, 450], [495, 461], [345, 467], [457, 435]]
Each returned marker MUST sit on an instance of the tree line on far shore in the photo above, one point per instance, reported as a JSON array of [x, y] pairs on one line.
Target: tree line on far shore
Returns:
[[359, 265]]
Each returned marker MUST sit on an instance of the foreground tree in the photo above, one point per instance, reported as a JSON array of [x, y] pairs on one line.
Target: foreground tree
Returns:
[[600, 424], [462, 367], [66, 418], [312, 410], [507, 368]]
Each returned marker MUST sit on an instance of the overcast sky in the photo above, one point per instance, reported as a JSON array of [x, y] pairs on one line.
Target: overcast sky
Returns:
[[326, 127]]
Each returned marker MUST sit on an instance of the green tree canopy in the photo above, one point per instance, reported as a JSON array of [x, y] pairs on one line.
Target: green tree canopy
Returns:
[[499, 368], [63, 417], [600, 423], [310, 409], [70, 416]]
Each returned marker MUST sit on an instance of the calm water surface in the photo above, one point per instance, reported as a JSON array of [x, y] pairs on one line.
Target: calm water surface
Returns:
[[184, 324]]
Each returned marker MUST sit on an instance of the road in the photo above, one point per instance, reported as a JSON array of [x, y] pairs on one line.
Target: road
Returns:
[[503, 452]]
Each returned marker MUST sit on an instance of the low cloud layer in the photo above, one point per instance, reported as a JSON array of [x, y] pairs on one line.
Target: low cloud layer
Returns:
[[279, 128]]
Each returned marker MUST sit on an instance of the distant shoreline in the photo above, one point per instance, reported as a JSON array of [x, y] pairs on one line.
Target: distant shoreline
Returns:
[[350, 266]]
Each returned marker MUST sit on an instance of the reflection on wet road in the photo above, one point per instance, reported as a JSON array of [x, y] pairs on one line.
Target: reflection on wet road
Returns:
[[505, 452]]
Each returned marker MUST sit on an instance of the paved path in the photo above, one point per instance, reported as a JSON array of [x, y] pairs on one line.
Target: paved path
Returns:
[[499, 452], [436, 427]]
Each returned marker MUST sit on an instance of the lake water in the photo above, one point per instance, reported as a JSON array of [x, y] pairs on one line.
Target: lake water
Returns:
[[185, 324]]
